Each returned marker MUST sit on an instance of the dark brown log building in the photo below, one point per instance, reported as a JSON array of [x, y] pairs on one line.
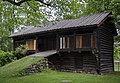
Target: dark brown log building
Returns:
[[81, 45]]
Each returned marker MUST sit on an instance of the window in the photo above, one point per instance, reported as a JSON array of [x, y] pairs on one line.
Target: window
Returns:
[[84, 40], [78, 41], [31, 44], [64, 42], [18, 43]]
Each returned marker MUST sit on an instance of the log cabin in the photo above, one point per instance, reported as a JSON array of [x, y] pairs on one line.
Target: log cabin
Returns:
[[81, 45]]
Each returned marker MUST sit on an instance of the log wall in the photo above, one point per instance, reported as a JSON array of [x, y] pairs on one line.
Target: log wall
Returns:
[[106, 49], [73, 61]]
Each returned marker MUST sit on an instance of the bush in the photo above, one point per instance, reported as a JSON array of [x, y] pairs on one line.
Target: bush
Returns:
[[6, 57], [20, 51]]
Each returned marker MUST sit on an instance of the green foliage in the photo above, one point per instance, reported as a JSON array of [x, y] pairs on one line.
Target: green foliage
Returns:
[[20, 51], [68, 9], [6, 57], [97, 6], [71, 9], [116, 51], [11, 17]]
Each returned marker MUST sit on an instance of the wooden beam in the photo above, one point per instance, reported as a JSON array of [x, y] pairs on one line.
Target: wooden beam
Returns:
[[80, 41], [99, 53], [113, 53], [14, 45], [77, 41], [57, 43], [37, 41], [92, 41], [74, 40]]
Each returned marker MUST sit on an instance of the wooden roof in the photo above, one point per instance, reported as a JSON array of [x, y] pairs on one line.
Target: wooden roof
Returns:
[[85, 21]]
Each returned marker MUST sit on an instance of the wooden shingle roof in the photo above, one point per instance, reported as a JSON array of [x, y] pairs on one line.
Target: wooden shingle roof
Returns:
[[84, 21]]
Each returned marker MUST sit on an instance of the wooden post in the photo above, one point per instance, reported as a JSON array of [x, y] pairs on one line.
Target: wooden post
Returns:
[[113, 53], [98, 63], [80, 41], [14, 44], [98, 52], [92, 41], [95, 39], [57, 44], [37, 44], [74, 40]]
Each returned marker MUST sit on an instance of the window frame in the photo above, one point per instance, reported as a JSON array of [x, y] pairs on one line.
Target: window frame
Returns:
[[64, 41], [79, 40]]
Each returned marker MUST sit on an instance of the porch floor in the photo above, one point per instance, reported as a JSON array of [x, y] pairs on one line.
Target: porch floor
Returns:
[[45, 53]]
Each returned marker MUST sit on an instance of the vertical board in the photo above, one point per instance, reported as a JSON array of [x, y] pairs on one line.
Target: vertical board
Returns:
[[92, 41], [77, 41], [80, 41]]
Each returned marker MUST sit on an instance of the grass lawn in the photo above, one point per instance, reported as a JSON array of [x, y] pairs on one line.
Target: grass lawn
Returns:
[[63, 77], [16, 66], [49, 76]]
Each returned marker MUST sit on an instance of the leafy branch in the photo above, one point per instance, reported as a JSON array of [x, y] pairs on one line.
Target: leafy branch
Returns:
[[22, 1]]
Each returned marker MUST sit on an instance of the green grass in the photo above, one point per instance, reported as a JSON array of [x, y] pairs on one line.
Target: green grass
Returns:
[[16, 66], [61, 77], [49, 76]]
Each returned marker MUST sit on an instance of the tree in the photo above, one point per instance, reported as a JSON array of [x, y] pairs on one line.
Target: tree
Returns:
[[97, 6], [69, 9], [19, 2], [12, 16], [116, 51]]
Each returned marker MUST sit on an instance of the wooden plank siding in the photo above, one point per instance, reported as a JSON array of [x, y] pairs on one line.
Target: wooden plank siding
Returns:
[[106, 49], [73, 61], [65, 61], [89, 62]]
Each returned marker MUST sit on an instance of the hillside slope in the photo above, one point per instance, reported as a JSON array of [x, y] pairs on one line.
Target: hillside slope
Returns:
[[18, 65]]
